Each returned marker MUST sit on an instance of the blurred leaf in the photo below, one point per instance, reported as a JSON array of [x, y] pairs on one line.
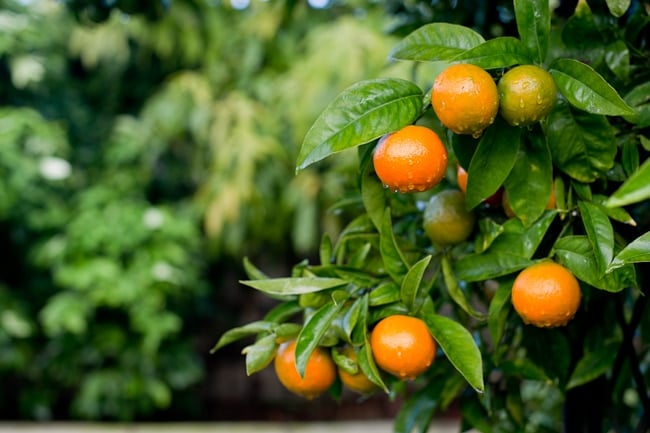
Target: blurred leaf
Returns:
[[618, 7], [492, 162], [636, 251], [496, 53], [635, 189], [313, 330], [368, 366], [283, 312], [617, 57], [458, 345], [384, 294], [260, 354], [66, 312], [534, 25], [594, 363], [600, 234], [593, 145], [361, 113], [585, 89], [498, 312], [374, 199], [524, 369], [294, 286], [252, 271], [325, 251], [455, 292], [436, 41]]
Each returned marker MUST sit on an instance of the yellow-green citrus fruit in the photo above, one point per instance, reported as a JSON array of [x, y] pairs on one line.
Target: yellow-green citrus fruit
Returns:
[[446, 220], [527, 94]]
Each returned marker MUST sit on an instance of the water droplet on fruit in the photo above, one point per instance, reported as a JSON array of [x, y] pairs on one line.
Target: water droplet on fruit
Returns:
[[477, 134], [386, 186], [521, 103], [540, 100]]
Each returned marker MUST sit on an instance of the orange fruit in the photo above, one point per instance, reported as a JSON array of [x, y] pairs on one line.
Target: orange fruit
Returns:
[[461, 181], [527, 93], [320, 373], [465, 99], [411, 159], [358, 381], [446, 220], [505, 202], [402, 346], [546, 295]]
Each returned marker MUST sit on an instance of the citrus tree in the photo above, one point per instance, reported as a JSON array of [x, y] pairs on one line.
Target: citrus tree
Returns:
[[502, 209]]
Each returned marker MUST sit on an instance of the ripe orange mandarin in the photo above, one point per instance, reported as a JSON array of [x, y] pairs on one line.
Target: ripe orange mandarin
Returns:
[[403, 346], [320, 373], [410, 160], [546, 295]]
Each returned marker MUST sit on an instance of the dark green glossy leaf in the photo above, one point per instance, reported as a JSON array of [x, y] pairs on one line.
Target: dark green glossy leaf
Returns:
[[617, 57], [498, 312], [492, 162], [534, 25], [394, 261], [368, 366], [616, 213], [352, 315], [373, 194], [529, 183], [384, 294], [361, 113], [618, 7], [436, 41], [636, 251], [582, 145], [464, 147], [294, 286], [635, 189], [600, 234], [489, 230], [524, 369], [410, 290], [458, 345], [479, 267], [312, 332], [576, 254], [523, 241], [455, 291], [548, 349], [260, 354], [283, 312], [586, 89], [240, 332], [630, 156], [594, 364], [496, 53]]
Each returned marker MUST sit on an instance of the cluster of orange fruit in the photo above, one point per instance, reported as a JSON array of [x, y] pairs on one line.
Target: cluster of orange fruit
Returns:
[[401, 345], [466, 100]]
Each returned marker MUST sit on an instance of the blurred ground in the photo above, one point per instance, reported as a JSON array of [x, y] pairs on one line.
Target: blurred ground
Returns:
[[446, 426]]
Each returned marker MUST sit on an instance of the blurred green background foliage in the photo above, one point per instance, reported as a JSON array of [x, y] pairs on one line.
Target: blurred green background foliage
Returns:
[[145, 148]]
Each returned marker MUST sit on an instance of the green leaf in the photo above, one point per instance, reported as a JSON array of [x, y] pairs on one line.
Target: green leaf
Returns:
[[410, 291], [240, 332], [586, 89], [373, 194], [618, 7], [368, 366], [496, 53], [260, 354], [635, 189], [283, 312], [576, 253], [436, 41], [384, 294], [534, 26], [498, 312], [394, 262], [582, 145], [479, 267], [361, 113], [617, 57], [455, 291], [489, 230], [523, 241], [600, 234], [325, 251], [252, 271], [492, 162], [529, 183], [636, 251], [313, 330], [458, 345], [294, 286], [594, 364], [524, 369]]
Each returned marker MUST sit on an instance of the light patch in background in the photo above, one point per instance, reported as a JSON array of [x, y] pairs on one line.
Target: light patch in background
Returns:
[[319, 4], [240, 4], [162, 271], [26, 70], [153, 218], [53, 168]]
